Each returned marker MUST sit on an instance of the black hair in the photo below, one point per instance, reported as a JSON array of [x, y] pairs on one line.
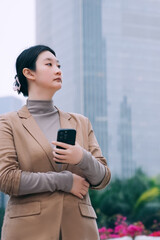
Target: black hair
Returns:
[[27, 59]]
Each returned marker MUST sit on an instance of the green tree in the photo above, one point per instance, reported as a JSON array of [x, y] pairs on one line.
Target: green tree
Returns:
[[2, 211], [121, 197], [148, 205]]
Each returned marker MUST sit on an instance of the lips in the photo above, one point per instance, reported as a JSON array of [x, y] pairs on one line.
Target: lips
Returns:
[[58, 79]]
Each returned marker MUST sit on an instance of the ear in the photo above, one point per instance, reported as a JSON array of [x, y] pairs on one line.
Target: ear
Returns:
[[29, 74]]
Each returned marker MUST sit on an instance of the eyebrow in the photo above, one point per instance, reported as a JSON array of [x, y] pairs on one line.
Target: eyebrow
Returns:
[[51, 59]]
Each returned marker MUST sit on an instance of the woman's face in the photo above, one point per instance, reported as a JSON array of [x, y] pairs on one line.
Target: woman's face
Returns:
[[48, 75]]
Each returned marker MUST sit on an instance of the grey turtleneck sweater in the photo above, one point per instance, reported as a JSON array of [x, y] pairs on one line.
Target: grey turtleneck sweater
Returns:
[[47, 117]]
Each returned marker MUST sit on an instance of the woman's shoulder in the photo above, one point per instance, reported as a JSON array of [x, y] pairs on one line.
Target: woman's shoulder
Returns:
[[7, 120], [11, 115], [8, 115], [76, 116]]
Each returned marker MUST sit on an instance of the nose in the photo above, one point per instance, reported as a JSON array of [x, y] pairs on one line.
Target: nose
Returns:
[[58, 71]]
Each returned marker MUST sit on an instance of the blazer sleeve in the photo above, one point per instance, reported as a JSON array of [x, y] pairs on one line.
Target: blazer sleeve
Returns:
[[95, 150], [9, 166]]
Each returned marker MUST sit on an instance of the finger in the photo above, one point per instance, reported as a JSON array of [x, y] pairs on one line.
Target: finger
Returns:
[[83, 193], [86, 184], [61, 144], [60, 151], [85, 189], [80, 196], [59, 156]]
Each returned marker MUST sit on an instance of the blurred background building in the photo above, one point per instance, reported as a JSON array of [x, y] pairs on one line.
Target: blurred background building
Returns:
[[9, 104], [110, 54]]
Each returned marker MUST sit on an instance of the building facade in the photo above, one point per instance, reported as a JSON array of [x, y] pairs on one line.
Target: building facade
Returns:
[[109, 52], [133, 45]]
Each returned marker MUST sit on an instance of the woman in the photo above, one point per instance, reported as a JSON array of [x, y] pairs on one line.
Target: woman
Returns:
[[47, 200]]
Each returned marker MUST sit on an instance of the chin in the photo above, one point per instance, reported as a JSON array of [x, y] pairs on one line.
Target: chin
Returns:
[[58, 86]]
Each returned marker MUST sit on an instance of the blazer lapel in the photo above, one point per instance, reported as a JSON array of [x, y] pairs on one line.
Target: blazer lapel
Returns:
[[66, 121], [32, 127]]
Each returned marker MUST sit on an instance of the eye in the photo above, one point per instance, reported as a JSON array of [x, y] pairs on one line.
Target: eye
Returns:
[[49, 64], [59, 66]]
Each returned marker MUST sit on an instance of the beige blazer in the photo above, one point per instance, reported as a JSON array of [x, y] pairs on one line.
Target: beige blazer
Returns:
[[23, 147]]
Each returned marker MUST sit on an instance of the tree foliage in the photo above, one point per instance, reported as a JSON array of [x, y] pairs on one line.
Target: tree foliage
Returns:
[[137, 198]]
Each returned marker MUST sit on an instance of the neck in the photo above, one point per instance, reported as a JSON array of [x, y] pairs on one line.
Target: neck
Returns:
[[46, 96]]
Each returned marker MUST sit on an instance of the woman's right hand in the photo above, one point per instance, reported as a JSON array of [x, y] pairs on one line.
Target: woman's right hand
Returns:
[[80, 186]]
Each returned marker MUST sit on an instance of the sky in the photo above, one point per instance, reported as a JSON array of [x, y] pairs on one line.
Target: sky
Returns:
[[17, 32]]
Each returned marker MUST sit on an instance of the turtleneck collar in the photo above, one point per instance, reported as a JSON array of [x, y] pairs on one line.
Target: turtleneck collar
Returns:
[[40, 106]]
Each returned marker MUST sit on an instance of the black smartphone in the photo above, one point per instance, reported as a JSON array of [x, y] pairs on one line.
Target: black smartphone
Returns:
[[66, 136]]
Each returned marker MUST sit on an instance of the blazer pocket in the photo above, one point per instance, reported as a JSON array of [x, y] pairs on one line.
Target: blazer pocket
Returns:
[[87, 210], [24, 209]]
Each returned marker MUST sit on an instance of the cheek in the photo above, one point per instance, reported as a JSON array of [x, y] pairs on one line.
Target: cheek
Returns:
[[41, 75]]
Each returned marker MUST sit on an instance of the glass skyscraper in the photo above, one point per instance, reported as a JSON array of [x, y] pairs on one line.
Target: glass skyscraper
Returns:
[[109, 52], [133, 83]]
